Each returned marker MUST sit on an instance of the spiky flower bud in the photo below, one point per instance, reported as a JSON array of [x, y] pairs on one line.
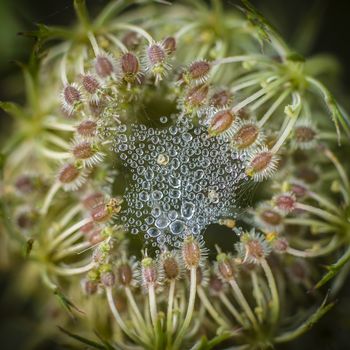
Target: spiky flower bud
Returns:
[[191, 252], [90, 84], [104, 66], [93, 200], [221, 122], [198, 71], [87, 128], [170, 265], [107, 278], [169, 44], [130, 67], [226, 267], [261, 165], [149, 272], [125, 274], [71, 176], [221, 99], [156, 54], [285, 202], [196, 96], [71, 95], [246, 135], [101, 213], [253, 248]]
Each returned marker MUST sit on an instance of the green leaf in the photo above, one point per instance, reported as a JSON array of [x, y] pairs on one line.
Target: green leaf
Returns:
[[66, 303], [262, 26], [337, 114], [307, 325], [13, 109], [334, 269], [83, 340]]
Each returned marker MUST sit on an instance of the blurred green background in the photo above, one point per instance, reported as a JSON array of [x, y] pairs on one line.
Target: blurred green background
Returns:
[[310, 26]]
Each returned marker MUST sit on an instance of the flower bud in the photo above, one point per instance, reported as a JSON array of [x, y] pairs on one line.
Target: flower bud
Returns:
[[149, 272], [100, 213], [89, 287], [104, 66], [280, 245], [285, 202], [68, 173], [71, 95], [246, 136], [215, 285], [155, 54], [304, 136], [198, 71], [87, 128], [262, 164], [307, 174], [221, 122], [253, 248], [196, 96], [221, 99], [83, 150], [131, 40], [90, 84], [129, 64], [125, 274], [271, 217], [25, 184], [169, 45], [170, 266], [298, 190], [226, 267], [191, 252], [93, 200], [108, 279]]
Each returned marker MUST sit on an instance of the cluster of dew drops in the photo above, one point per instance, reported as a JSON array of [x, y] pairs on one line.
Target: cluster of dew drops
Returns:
[[182, 180]]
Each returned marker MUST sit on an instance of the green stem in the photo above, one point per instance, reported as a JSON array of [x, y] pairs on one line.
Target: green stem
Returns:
[[82, 13], [273, 289], [190, 307]]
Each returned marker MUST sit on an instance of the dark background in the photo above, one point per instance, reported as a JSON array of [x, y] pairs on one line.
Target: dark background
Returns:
[[331, 22]]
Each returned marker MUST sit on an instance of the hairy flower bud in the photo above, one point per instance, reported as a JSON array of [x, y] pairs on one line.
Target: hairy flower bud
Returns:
[[226, 267], [271, 217], [156, 54], [125, 274], [87, 128], [221, 122], [196, 96], [108, 278], [261, 165], [68, 173], [71, 95], [170, 266], [129, 64], [149, 272], [221, 99], [191, 252], [100, 213], [285, 202], [246, 135], [169, 45], [104, 66], [90, 84], [198, 71], [93, 200]]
